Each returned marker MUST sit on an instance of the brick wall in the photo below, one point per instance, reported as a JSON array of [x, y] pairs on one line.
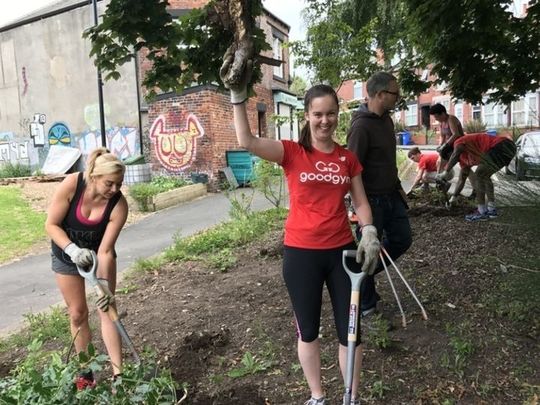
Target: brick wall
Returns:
[[213, 110]]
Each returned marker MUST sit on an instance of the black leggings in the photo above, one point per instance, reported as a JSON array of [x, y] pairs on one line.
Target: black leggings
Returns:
[[305, 272]]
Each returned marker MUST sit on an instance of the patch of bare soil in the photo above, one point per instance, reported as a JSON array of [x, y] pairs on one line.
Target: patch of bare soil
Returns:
[[203, 323]]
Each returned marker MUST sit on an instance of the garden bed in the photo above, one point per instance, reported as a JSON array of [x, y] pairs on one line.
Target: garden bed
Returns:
[[172, 197]]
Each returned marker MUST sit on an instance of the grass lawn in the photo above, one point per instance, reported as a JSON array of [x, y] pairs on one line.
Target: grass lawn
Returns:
[[20, 226]]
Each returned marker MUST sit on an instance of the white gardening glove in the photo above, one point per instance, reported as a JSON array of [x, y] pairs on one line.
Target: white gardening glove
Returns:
[[105, 296], [235, 73], [441, 176], [81, 257], [368, 249]]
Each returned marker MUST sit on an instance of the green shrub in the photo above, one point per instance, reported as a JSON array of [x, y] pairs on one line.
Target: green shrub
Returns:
[[45, 379], [14, 170], [215, 243], [270, 180], [141, 192], [474, 126]]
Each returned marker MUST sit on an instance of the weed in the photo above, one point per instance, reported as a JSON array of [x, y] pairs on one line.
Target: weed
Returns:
[[228, 235], [462, 348], [148, 265], [296, 367], [270, 181], [126, 289], [43, 327], [46, 379], [8, 170], [378, 332], [240, 203], [223, 260], [378, 389], [249, 365]]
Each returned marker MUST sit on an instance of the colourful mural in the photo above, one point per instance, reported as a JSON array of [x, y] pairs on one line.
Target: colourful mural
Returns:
[[122, 141], [59, 134], [176, 148]]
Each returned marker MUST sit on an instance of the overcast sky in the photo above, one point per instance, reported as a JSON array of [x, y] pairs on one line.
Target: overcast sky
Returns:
[[287, 10]]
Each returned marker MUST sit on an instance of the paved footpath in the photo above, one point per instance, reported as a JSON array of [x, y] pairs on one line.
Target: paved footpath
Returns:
[[28, 285]]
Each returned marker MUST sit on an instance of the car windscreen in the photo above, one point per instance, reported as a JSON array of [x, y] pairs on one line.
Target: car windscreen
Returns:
[[532, 144]]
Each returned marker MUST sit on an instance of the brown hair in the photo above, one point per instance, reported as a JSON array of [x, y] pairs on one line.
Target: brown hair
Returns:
[[101, 162], [413, 151], [319, 90]]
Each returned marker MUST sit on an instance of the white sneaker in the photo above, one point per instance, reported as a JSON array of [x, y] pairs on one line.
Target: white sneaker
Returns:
[[315, 401]]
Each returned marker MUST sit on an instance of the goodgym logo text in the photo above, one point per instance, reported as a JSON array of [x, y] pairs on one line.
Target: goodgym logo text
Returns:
[[326, 172]]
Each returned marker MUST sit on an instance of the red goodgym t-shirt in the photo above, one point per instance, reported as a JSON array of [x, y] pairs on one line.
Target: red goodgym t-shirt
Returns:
[[475, 146], [318, 182], [428, 161]]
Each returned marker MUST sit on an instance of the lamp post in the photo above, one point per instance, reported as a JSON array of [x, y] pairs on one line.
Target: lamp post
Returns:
[[100, 90]]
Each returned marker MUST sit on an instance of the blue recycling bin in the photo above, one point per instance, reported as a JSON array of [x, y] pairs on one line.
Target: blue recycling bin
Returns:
[[406, 136]]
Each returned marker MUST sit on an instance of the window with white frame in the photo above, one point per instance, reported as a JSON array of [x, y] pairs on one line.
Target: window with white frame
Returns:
[[358, 93], [494, 115], [518, 112], [532, 119], [277, 48], [411, 115], [477, 112], [458, 111], [525, 110]]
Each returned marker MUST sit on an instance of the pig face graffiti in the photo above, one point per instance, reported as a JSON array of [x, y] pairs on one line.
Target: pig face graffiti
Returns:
[[176, 148]]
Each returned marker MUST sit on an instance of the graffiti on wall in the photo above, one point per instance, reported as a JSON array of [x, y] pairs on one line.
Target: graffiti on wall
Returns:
[[176, 148], [37, 131], [59, 134], [14, 151], [121, 141], [11, 150]]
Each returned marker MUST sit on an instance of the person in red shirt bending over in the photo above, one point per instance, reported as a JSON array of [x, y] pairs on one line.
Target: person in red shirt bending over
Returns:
[[428, 168], [490, 153], [319, 174]]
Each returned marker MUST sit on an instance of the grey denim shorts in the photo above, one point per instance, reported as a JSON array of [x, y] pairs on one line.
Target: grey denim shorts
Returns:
[[58, 266]]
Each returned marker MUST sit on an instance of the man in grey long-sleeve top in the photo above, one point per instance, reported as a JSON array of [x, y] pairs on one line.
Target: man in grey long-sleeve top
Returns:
[[372, 138]]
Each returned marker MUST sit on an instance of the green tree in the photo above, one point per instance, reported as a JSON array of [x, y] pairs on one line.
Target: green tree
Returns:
[[183, 51], [298, 86], [472, 46]]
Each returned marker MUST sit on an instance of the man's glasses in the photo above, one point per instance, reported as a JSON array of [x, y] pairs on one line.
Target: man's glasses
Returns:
[[394, 93]]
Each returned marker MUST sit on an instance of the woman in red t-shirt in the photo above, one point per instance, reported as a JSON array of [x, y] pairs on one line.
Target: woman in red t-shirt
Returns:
[[319, 174]]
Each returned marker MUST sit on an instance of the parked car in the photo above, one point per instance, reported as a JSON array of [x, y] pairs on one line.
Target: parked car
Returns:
[[526, 163]]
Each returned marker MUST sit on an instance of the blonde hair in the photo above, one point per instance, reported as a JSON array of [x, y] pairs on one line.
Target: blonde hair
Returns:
[[101, 162]]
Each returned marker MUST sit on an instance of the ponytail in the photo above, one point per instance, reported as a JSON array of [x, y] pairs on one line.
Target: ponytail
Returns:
[[101, 162]]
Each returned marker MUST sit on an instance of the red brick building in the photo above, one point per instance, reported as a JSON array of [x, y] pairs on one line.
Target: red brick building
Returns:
[[416, 119], [192, 131]]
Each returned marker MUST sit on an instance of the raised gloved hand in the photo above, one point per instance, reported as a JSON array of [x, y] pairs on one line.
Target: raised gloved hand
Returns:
[[235, 73], [441, 176], [368, 249], [81, 257], [105, 296]]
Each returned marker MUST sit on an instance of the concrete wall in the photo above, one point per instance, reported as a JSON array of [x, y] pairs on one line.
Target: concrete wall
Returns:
[[48, 76]]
